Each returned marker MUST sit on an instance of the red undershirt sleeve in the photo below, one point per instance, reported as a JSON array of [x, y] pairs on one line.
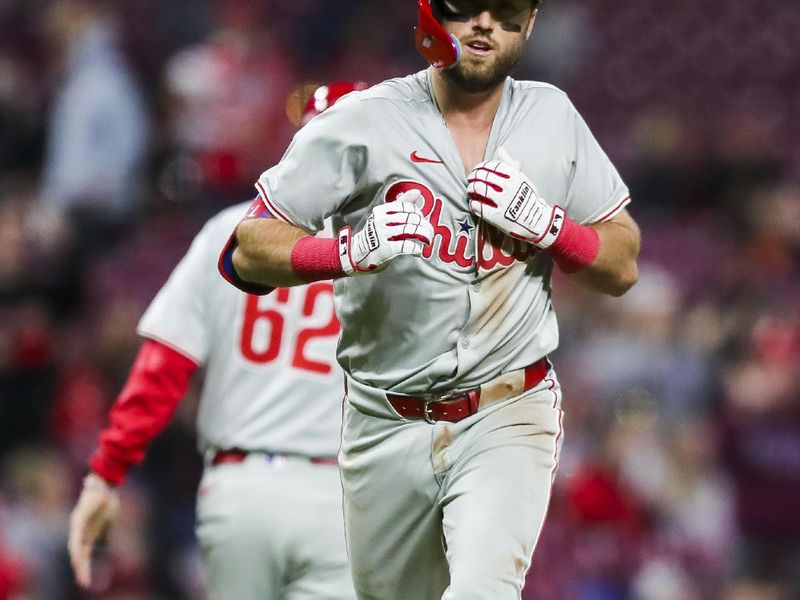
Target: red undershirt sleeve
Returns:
[[158, 380]]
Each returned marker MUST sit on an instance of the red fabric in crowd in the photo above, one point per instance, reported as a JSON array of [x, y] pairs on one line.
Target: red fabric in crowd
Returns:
[[595, 496]]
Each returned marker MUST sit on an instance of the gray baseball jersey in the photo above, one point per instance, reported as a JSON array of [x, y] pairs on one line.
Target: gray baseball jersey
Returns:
[[478, 304], [271, 379]]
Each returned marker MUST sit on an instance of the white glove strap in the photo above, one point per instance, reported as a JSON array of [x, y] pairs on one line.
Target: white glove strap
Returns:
[[553, 229], [345, 252], [364, 243]]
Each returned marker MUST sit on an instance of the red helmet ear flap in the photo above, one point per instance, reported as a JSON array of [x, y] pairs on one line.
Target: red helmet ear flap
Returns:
[[438, 47]]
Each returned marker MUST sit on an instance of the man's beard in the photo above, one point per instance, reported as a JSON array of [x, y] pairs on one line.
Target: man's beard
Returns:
[[479, 77]]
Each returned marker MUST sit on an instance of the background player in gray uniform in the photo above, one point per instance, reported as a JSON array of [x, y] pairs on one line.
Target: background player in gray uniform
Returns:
[[455, 192], [269, 516]]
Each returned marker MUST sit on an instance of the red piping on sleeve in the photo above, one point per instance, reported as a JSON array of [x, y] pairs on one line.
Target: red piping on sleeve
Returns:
[[614, 211], [271, 205]]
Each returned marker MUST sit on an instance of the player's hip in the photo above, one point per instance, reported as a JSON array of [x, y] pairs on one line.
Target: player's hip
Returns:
[[265, 491]]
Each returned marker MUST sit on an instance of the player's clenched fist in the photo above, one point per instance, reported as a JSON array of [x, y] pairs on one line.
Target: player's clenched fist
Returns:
[[502, 195], [391, 229]]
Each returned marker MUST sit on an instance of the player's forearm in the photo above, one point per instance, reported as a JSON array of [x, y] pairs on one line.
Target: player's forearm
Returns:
[[269, 253], [614, 270], [264, 251]]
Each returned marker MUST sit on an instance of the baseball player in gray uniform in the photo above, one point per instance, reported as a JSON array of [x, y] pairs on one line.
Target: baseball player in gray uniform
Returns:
[[455, 192], [269, 509]]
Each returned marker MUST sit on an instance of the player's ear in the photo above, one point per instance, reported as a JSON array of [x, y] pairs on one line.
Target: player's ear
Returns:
[[531, 23]]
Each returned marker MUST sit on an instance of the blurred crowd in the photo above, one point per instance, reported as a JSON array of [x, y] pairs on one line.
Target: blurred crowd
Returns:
[[124, 126]]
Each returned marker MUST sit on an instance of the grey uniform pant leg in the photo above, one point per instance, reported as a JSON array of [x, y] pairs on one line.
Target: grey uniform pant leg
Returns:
[[451, 510], [273, 531], [393, 525], [495, 497]]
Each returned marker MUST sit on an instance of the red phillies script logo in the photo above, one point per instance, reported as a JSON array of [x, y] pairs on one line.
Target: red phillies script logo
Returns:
[[419, 159], [494, 247]]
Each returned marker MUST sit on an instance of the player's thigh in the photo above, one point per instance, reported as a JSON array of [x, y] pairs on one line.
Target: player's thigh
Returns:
[[393, 523], [318, 567], [240, 532], [496, 498]]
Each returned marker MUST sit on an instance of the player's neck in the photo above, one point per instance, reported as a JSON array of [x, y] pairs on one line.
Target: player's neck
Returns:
[[456, 104]]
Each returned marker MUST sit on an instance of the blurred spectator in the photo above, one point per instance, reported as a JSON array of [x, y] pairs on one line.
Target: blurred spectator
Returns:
[[372, 53], [36, 525], [20, 128], [746, 160], [695, 520], [762, 450], [562, 41], [606, 530], [22, 89], [755, 590], [78, 411], [663, 580], [98, 129], [640, 352], [27, 335], [227, 119], [666, 157], [12, 572]]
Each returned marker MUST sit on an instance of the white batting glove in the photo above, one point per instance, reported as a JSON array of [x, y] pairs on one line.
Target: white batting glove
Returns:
[[503, 195], [391, 230], [94, 512]]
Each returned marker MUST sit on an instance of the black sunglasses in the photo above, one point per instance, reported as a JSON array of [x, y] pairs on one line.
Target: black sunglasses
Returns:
[[510, 13]]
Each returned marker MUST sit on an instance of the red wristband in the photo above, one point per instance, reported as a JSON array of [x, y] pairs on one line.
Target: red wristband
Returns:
[[576, 247], [314, 259]]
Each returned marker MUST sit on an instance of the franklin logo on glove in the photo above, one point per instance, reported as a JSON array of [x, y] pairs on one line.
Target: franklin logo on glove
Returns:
[[372, 234], [523, 193]]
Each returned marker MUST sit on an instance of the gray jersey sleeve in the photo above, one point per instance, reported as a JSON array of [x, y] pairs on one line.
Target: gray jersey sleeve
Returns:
[[177, 315], [596, 191], [325, 165]]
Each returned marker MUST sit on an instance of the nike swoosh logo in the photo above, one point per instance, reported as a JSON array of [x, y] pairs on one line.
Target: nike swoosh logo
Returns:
[[419, 159]]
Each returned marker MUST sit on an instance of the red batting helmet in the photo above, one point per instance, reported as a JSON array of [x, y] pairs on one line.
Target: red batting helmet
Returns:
[[326, 96], [438, 47]]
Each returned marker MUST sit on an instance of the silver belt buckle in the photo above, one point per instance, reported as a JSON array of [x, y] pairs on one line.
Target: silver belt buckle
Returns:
[[426, 411], [426, 408]]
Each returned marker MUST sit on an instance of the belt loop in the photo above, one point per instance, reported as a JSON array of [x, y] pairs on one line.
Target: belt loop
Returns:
[[536, 372], [530, 377], [474, 398]]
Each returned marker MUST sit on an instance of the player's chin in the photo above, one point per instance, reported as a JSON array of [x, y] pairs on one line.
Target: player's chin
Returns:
[[476, 76]]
